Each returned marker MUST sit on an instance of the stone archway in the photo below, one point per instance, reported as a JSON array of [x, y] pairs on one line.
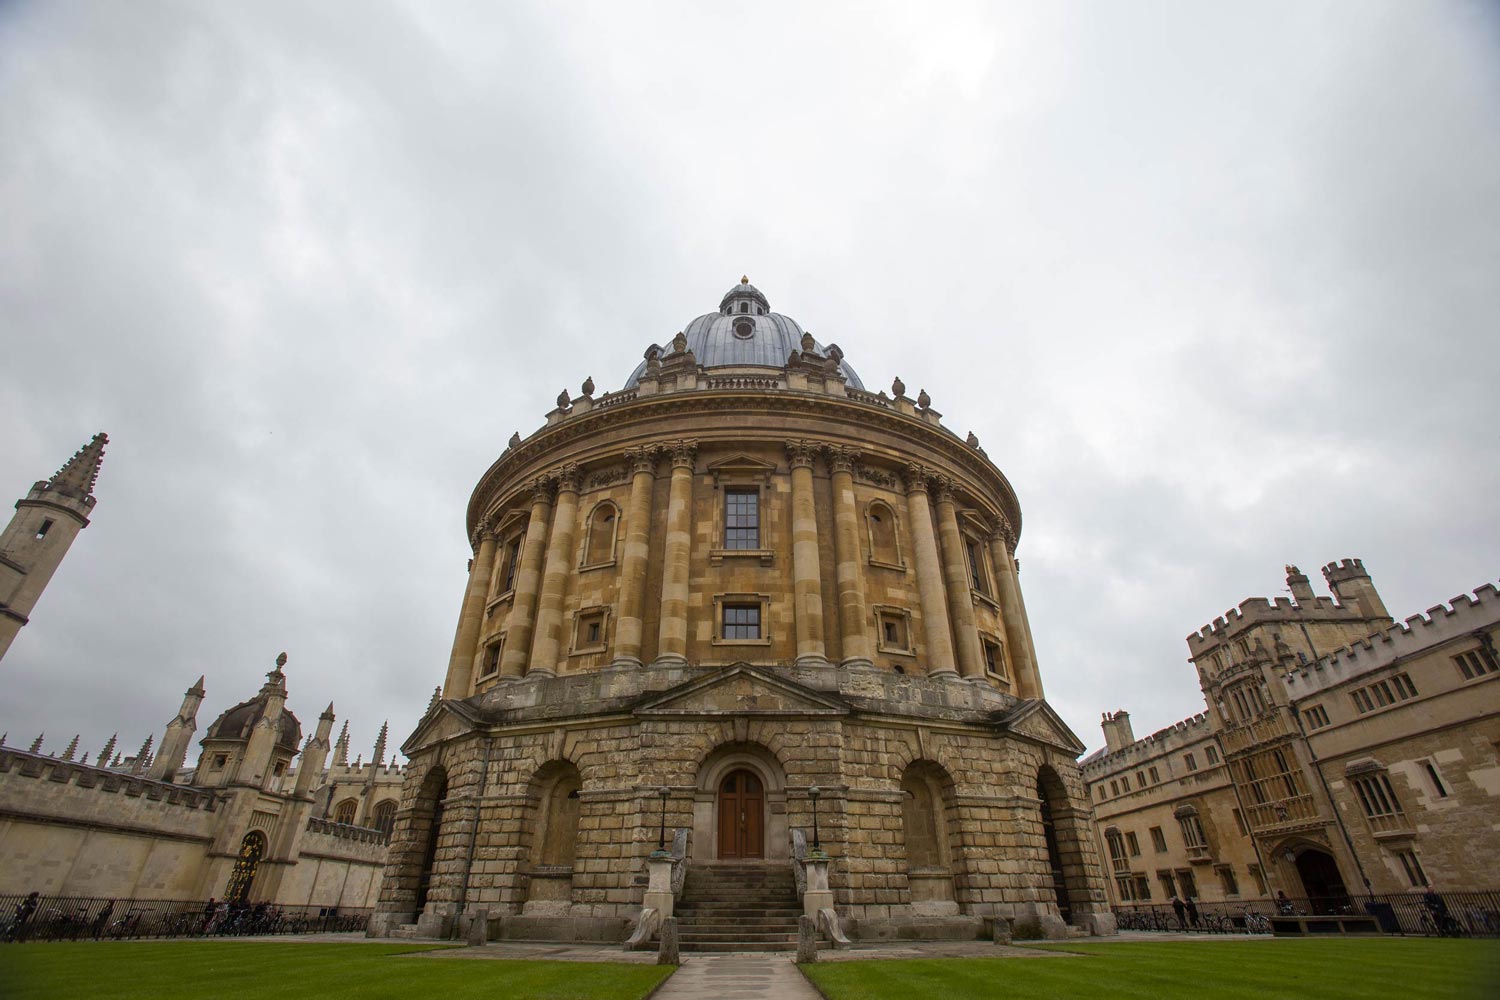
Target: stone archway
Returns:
[[553, 815], [1067, 881], [740, 778], [427, 825], [1322, 883], [930, 834]]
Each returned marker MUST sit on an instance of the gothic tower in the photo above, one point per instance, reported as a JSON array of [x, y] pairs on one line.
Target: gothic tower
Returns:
[[34, 543]]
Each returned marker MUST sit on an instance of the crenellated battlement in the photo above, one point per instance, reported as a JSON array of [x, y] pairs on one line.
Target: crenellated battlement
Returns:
[[1354, 599], [102, 780], [1168, 739], [1463, 615]]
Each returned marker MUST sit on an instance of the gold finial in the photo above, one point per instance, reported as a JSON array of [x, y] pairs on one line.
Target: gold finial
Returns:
[[744, 279]]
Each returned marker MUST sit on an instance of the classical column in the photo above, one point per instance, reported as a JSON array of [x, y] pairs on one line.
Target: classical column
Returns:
[[956, 573], [629, 628], [846, 550], [807, 579], [930, 590], [546, 643], [671, 644], [466, 642], [518, 626], [1028, 678]]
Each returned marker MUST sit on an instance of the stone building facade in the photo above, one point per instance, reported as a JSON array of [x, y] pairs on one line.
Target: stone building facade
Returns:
[[254, 820], [1340, 753], [692, 603]]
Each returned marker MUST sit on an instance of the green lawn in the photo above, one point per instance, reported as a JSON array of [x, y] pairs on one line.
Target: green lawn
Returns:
[[1344, 969], [254, 970]]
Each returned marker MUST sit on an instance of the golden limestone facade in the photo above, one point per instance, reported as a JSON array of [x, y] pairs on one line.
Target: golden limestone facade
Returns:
[[1341, 755], [692, 603]]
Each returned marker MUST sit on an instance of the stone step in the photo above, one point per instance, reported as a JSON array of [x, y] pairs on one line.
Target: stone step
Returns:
[[737, 912], [723, 946], [731, 933]]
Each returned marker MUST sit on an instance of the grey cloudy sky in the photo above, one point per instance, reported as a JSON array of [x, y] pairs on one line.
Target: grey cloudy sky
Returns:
[[1216, 286]]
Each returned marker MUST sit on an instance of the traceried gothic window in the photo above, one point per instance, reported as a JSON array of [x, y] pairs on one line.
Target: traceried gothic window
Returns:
[[344, 812], [383, 817], [741, 519]]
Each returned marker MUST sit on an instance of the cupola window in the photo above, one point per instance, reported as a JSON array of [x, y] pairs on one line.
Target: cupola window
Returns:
[[744, 329]]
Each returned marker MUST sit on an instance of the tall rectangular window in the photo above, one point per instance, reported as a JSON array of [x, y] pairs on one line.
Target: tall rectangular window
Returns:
[[512, 562], [977, 578], [742, 621], [1158, 840], [1414, 873], [1134, 844], [1436, 779], [741, 519], [1190, 761]]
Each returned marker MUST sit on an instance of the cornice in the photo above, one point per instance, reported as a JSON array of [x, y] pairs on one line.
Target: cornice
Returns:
[[529, 456]]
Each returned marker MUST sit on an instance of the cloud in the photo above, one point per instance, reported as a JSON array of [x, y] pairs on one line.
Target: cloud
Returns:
[[1214, 286]]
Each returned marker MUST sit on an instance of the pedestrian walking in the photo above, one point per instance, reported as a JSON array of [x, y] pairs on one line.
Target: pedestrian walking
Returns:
[[1179, 909]]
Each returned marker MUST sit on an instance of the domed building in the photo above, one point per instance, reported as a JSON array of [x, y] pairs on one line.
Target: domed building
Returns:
[[742, 611]]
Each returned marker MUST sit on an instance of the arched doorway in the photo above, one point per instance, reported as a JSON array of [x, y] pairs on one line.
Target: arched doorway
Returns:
[[430, 808], [741, 816], [1054, 797], [242, 875], [1321, 881]]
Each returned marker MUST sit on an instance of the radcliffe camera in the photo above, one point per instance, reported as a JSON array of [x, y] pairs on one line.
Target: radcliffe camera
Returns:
[[621, 501]]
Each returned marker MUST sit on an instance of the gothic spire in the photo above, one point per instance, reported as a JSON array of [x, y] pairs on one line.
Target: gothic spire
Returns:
[[379, 755], [72, 749], [109, 749], [76, 478]]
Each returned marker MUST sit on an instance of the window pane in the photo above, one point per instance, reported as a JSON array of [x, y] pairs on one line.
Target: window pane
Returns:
[[742, 621], [741, 519]]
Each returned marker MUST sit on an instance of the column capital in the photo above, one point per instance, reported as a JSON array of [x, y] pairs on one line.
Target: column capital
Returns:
[[942, 489], [541, 490], [914, 477], [841, 459], [683, 453], [567, 478], [484, 531], [1005, 533], [642, 459], [800, 453]]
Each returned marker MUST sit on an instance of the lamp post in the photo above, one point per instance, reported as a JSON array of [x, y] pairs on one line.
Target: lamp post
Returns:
[[661, 832], [813, 794]]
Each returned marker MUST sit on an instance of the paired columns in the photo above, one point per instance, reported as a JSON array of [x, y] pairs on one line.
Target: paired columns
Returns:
[[807, 577], [546, 644], [931, 593], [520, 624], [956, 571], [846, 557], [460, 674], [1013, 614], [534, 639], [672, 637], [630, 627]]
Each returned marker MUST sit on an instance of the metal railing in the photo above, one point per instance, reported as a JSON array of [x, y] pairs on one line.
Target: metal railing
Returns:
[[1444, 914], [85, 918]]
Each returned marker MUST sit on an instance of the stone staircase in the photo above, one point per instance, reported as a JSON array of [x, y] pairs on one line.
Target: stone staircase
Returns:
[[738, 907]]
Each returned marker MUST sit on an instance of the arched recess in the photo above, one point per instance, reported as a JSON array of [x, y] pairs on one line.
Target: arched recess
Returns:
[[733, 777], [1064, 833], [383, 816], [344, 812], [554, 814], [242, 875], [427, 829], [884, 535], [1310, 871], [929, 830], [599, 539]]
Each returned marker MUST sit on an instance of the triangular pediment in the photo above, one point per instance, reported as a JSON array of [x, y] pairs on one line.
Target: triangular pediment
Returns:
[[443, 721], [1035, 720], [741, 463], [741, 690]]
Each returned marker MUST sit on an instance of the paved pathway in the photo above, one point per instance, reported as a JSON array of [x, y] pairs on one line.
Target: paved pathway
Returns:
[[737, 976]]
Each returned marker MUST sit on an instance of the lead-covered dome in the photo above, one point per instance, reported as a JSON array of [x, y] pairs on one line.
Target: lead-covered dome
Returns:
[[744, 332]]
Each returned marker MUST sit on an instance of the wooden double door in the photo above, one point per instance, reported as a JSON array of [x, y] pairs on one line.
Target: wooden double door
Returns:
[[742, 810]]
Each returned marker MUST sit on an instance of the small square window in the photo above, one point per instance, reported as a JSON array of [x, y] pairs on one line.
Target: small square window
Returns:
[[588, 635], [491, 662], [994, 657], [741, 621], [894, 631], [220, 760]]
